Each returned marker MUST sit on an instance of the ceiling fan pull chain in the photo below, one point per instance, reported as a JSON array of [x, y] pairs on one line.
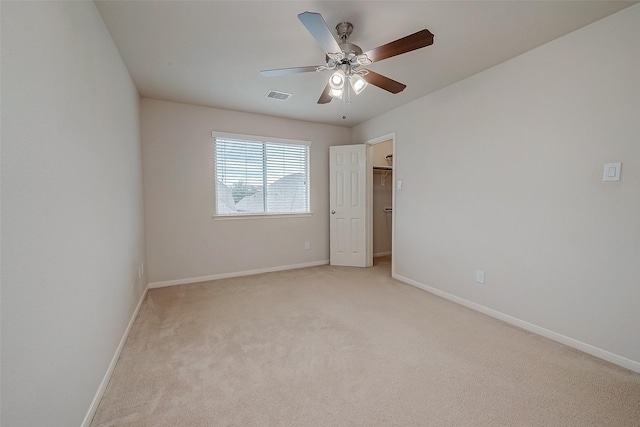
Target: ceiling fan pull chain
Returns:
[[344, 102]]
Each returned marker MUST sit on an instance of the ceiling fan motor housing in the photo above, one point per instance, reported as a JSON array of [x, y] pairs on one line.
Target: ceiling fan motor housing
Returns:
[[344, 30], [350, 49]]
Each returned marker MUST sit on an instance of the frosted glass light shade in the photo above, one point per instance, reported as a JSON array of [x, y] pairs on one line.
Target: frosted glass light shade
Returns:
[[358, 83], [336, 93], [337, 80]]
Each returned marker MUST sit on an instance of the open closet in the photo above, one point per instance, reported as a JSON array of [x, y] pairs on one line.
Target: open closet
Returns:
[[382, 198]]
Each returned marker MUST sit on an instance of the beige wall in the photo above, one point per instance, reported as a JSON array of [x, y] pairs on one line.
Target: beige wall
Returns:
[[380, 151], [183, 240], [72, 232], [502, 172]]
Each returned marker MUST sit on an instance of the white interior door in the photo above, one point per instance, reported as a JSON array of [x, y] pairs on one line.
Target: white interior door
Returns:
[[348, 228]]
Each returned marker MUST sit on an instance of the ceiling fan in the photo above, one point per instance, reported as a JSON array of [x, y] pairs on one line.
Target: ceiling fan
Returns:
[[348, 60]]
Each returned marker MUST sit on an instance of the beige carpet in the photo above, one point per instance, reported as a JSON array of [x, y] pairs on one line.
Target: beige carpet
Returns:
[[335, 346]]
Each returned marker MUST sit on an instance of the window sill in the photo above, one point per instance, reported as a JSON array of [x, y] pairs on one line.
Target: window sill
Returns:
[[262, 216]]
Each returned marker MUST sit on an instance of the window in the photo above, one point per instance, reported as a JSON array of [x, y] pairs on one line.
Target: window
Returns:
[[261, 176]]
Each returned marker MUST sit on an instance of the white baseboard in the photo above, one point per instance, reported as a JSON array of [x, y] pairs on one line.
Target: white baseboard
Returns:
[[107, 376], [587, 348], [379, 254], [235, 274]]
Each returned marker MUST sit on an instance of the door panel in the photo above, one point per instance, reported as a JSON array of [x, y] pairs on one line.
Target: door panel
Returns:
[[347, 205]]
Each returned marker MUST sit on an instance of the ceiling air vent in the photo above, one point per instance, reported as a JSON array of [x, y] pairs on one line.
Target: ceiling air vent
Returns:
[[282, 96]]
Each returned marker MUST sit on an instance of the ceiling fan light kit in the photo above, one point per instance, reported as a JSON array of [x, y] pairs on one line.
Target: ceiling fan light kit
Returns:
[[347, 59]]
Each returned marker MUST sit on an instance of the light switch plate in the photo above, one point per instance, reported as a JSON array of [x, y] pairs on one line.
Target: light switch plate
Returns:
[[612, 172]]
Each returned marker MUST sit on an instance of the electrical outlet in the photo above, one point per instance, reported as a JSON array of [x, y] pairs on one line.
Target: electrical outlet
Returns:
[[480, 277], [307, 246]]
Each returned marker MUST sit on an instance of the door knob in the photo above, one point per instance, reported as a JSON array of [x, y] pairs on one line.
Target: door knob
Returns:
[[333, 212]]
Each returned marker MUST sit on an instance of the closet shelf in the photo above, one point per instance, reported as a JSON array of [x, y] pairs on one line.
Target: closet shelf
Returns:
[[383, 168]]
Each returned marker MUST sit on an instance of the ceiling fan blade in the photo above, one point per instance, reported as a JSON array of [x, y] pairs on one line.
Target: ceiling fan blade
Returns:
[[283, 71], [383, 82], [315, 24], [406, 44], [325, 98]]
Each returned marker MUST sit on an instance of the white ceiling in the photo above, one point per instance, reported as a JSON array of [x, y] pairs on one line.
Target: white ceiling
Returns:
[[210, 52]]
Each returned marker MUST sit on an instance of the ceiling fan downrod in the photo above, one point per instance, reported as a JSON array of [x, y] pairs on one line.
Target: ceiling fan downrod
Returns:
[[344, 30]]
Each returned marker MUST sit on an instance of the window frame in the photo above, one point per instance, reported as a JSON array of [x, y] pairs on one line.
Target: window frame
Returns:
[[263, 140]]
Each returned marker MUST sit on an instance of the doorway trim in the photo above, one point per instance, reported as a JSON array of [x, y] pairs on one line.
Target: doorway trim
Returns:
[[370, 143]]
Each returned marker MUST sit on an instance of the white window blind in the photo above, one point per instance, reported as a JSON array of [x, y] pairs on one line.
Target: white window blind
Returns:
[[261, 177]]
